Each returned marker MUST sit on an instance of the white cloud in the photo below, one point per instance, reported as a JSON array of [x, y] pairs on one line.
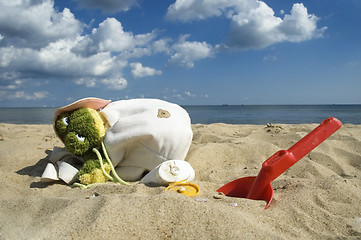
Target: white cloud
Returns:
[[270, 58], [27, 96], [174, 94], [189, 94], [110, 37], [139, 71], [9, 82], [162, 45], [109, 6], [57, 59], [89, 60], [186, 52], [116, 83], [253, 24], [191, 9], [41, 95], [35, 23], [299, 25], [11, 86], [88, 82], [39, 44], [187, 10], [259, 28]]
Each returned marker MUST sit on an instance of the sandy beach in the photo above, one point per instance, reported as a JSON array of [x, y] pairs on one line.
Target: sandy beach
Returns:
[[317, 198]]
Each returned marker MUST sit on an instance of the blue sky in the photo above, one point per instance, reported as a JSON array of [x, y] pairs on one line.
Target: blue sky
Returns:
[[187, 52]]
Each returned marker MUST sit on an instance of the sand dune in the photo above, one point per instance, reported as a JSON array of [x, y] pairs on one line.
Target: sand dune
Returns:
[[317, 198]]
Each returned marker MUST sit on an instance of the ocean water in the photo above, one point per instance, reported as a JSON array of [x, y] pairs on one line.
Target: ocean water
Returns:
[[27, 115], [231, 114], [263, 114]]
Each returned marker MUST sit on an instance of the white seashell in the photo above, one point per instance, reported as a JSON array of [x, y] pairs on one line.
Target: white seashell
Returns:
[[233, 204]]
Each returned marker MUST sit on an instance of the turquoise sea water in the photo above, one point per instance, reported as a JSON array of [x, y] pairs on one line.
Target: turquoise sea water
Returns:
[[231, 114]]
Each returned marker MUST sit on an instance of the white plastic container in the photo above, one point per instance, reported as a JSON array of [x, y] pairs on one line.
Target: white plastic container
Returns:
[[169, 172]]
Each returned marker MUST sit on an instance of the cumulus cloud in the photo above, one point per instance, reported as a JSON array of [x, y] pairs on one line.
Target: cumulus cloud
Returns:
[[259, 28], [186, 52], [57, 59], [299, 25], [34, 24], [162, 45], [139, 71], [39, 42], [109, 6], [110, 37], [253, 24], [117, 83], [187, 10]]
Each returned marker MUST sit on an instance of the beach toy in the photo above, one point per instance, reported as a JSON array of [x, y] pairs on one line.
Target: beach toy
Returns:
[[259, 188], [185, 188], [169, 172], [176, 174], [81, 128]]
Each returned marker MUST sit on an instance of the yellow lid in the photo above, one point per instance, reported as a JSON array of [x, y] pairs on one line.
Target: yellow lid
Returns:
[[188, 189]]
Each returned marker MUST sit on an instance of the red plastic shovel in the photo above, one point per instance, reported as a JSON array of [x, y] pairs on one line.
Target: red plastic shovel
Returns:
[[259, 188]]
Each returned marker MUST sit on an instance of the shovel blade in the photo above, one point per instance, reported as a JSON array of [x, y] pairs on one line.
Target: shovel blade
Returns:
[[238, 188], [241, 187], [259, 188]]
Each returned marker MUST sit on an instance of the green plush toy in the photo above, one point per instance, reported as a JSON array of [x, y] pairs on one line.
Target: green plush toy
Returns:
[[82, 131], [138, 134]]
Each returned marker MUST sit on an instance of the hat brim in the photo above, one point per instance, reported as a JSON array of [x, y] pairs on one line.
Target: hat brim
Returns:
[[94, 103]]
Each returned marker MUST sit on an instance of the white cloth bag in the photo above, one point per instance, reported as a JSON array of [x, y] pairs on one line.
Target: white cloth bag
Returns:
[[144, 133]]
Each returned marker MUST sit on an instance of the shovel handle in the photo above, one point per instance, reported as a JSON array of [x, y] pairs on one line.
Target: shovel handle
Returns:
[[284, 159]]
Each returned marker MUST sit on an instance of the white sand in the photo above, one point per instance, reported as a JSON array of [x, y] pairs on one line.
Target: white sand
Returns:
[[317, 198]]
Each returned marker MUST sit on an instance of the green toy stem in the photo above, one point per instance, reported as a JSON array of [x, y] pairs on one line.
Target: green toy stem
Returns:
[[102, 165], [119, 180]]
